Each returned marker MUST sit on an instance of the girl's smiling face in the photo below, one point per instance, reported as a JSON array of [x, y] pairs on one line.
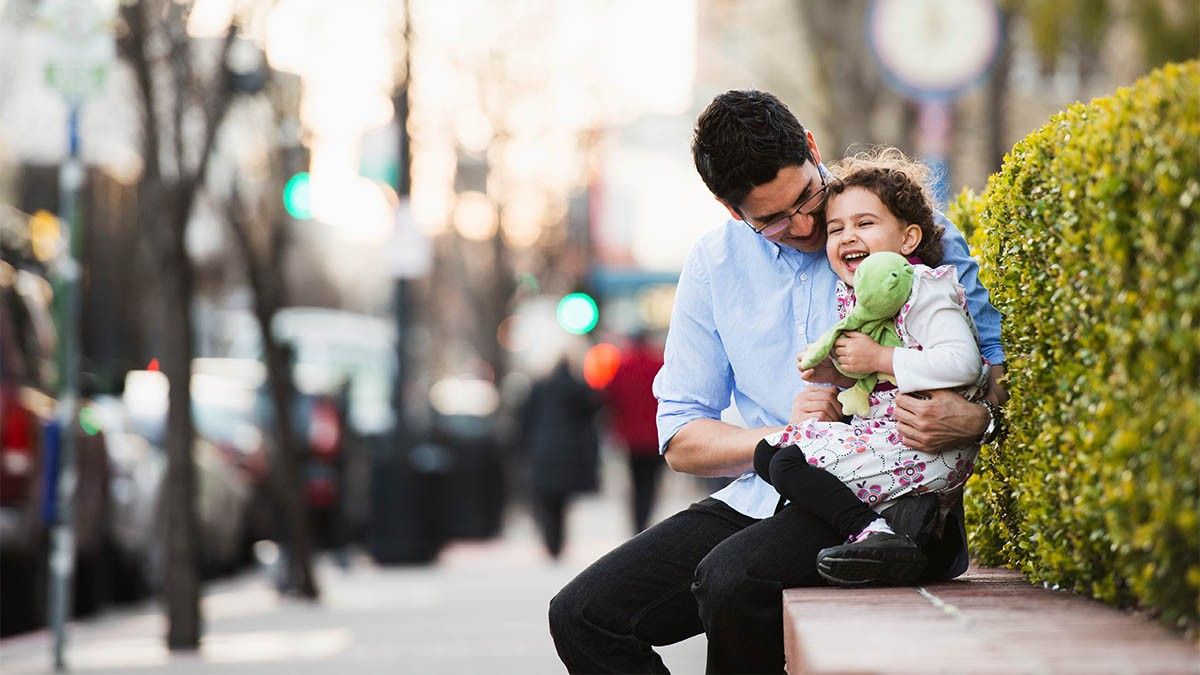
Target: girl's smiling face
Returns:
[[858, 224]]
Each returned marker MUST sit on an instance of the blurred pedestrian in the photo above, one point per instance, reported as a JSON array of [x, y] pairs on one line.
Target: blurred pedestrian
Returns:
[[633, 409], [558, 430]]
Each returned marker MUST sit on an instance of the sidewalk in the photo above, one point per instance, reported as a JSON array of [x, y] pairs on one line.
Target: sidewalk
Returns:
[[482, 608]]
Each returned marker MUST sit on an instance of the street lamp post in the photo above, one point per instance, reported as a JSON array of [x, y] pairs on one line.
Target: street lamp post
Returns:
[[67, 272], [82, 48], [404, 192]]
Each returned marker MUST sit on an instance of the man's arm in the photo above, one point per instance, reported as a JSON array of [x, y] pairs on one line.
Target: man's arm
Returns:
[[987, 318], [712, 448]]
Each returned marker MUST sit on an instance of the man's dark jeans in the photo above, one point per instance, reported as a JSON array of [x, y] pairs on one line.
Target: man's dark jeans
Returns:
[[706, 569]]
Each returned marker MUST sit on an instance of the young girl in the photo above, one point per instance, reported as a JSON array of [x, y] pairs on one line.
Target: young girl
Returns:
[[879, 204]]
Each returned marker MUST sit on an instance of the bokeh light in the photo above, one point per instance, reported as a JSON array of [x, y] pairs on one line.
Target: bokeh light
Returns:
[[600, 364], [475, 216], [297, 196], [577, 313]]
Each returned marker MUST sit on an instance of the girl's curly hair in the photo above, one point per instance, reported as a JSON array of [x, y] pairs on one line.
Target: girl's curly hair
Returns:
[[902, 184]]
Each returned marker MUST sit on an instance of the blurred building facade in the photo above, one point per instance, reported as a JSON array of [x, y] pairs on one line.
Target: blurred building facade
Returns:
[[545, 158]]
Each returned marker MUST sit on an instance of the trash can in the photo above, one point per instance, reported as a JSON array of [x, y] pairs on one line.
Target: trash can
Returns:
[[475, 486], [408, 495]]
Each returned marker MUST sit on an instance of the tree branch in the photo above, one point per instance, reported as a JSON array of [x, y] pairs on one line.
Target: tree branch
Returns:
[[239, 221], [216, 108], [179, 52], [133, 48]]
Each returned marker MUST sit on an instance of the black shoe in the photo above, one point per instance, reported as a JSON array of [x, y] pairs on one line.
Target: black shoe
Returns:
[[915, 516], [880, 558]]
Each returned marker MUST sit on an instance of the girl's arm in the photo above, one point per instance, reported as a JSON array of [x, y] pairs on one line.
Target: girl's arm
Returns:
[[950, 355]]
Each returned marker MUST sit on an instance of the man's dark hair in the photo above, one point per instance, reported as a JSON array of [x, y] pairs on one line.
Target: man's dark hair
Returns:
[[742, 139]]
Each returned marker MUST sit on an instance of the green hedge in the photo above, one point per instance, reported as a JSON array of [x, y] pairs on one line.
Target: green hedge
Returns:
[[1089, 242]]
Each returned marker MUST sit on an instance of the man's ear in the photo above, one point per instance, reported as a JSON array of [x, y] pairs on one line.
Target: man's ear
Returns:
[[911, 239], [733, 212], [812, 146]]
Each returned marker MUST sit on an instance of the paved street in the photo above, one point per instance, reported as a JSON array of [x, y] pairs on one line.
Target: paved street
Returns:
[[481, 609]]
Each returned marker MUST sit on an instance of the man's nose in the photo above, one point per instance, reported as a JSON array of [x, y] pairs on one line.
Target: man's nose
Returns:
[[804, 223]]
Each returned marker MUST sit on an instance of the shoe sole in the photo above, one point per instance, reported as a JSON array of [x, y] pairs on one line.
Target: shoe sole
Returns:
[[867, 571]]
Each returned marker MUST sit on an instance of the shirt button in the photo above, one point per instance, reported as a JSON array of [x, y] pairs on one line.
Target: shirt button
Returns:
[[803, 276]]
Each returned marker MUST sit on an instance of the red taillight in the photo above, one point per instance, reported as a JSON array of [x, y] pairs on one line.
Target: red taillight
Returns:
[[17, 448]]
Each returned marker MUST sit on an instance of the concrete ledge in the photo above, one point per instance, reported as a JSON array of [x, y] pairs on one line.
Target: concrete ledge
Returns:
[[987, 621]]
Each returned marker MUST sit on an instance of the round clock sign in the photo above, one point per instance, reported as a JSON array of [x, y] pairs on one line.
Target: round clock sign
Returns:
[[933, 49]]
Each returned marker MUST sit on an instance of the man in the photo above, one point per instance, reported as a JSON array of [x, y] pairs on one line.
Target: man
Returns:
[[751, 296]]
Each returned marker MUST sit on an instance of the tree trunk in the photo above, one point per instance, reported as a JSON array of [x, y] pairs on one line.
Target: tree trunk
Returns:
[[153, 30], [285, 467], [849, 79], [859, 107], [997, 96], [182, 583], [284, 482]]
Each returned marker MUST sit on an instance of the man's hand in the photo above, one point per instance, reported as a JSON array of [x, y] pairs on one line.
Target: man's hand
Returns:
[[816, 403], [938, 420], [996, 392], [822, 373]]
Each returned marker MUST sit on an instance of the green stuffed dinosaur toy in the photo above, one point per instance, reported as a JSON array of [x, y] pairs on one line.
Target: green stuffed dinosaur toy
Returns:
[[882, 283]]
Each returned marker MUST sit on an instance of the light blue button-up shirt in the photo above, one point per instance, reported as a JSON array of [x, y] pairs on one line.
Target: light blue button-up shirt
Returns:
[[744, 308]]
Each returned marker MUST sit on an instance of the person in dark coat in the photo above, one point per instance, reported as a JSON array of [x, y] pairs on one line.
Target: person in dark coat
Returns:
[[558, 429]]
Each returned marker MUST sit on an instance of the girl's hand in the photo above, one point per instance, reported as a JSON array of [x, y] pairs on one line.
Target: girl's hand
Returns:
[[858, 353]]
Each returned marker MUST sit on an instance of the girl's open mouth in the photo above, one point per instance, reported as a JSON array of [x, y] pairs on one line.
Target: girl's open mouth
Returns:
[[853, 259]]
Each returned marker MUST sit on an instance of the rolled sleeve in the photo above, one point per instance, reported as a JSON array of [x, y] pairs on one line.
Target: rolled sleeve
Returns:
[[986, 317], [696, 379]]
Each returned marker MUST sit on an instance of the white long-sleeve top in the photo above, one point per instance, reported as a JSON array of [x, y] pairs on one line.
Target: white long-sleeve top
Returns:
[[938, 321]]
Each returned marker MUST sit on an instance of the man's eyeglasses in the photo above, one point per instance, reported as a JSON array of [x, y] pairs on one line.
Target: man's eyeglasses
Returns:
[[806, 208]]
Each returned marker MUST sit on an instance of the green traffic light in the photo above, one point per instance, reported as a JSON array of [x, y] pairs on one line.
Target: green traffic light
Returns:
[[296, 196], [577, 313]]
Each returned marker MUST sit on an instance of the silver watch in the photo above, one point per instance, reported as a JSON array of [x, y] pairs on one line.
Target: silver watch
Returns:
[[995, 425]]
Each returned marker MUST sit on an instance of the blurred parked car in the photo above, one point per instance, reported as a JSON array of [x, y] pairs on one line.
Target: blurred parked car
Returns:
[[228, 452], [344, 367], [27, 344], [136, 472], [319, 424]]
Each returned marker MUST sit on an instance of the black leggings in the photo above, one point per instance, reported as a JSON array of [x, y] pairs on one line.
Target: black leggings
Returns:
[[812, 488]]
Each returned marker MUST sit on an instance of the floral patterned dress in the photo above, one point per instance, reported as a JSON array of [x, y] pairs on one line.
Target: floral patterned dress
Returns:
[[867, 453]]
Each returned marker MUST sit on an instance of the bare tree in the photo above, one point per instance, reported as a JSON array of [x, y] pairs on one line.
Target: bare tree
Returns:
[[260, 232], [184, 94], [997, 94], [850, 79]]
